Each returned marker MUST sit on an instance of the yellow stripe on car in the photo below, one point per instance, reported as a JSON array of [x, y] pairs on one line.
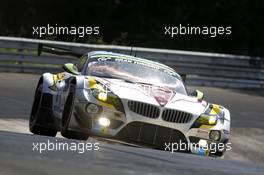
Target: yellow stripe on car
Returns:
[[206, 126], [94, 85], [215, 109], [56, 78], [102, 96]]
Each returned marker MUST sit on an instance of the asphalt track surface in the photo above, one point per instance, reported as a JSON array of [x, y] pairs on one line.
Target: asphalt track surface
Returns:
[[18, 157]]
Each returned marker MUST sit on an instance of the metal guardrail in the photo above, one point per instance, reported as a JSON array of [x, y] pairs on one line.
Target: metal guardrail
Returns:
[[208, 69]]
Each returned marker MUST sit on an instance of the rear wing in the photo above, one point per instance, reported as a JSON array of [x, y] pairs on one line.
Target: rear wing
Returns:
[[57, 51]]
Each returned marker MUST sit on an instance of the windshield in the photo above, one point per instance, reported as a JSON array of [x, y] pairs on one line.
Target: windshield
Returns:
[[135, 73]]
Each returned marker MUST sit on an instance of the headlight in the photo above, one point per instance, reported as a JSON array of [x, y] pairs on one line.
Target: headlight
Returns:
[[102, 96], [108, 97], [212, 120], [205, 119], [103, 121], [215, 135]]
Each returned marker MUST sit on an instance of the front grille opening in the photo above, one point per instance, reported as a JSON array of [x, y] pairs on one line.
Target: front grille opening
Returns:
[[176, 116], [149, 134], [147, 110]]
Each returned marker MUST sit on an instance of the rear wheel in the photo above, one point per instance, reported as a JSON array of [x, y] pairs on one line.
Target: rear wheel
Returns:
[[66, 117], [35, 117]]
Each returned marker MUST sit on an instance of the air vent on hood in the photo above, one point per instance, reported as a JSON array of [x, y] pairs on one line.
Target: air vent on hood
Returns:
[[176, 116], [144, 109]]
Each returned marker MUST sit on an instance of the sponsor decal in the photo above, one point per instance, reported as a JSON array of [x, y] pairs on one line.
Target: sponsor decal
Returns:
[[57, 78], [202, 133], [161, 94], [136, 60]]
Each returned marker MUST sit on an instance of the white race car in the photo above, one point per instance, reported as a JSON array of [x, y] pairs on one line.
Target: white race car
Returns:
[[127, 98]]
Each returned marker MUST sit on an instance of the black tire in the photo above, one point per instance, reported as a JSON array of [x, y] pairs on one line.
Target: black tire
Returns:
[[34, 125], [74, 135], [66, 117], [219, 154]]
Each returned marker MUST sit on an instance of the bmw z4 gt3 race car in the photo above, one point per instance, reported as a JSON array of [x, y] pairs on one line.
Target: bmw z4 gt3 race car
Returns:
[[127, 98]]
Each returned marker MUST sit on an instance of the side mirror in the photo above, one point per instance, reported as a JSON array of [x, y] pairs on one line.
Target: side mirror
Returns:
[[183, 76], [70, 68], [198, 94]]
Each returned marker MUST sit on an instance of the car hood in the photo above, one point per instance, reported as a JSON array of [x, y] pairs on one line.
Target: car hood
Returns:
[[153, 95]]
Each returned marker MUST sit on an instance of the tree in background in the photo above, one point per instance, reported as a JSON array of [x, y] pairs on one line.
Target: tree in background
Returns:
[[141, 23]]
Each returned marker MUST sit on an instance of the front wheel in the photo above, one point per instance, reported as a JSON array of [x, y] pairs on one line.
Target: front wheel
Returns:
[[36, 113], [66, 117]]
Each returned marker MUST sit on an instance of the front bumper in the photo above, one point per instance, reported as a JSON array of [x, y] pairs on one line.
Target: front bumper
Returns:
[[137, 129]]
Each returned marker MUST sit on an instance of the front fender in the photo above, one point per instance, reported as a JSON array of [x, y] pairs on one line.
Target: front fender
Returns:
[[227, 119], [48, 81], [80, 87]]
